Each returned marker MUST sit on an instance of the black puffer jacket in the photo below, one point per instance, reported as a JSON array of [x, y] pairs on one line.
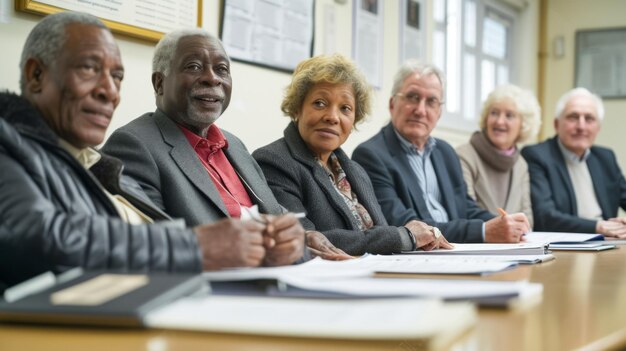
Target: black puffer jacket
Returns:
[[54, 215]]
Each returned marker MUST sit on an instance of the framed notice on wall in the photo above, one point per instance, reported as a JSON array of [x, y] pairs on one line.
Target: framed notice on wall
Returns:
[[145, 19], [367, 39], [276, 34], [412, 38], [601, 61]]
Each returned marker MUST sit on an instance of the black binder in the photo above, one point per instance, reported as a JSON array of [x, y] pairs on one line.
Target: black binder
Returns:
[[126, 310]]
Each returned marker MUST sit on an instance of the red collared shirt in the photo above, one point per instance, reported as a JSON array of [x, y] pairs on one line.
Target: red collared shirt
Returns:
[[211, 154]]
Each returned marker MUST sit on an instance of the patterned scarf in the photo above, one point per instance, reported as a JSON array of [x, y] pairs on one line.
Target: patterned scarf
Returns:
[[340, 181]]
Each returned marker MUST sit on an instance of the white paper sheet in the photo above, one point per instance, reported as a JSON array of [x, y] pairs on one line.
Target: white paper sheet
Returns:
[[314, 269], [553, 237], [416, 264], [488, 249], [405, 318], [445, 289], [588, 246]]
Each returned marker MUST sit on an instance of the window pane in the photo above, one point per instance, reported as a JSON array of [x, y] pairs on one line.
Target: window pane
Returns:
[[494, 38], [439, 50], [488, 79], [439, 10], [503, 74], [453, 52], [470, 23], [469, 87]]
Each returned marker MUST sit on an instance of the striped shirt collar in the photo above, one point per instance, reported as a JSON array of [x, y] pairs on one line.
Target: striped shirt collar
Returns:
[[409, 148]]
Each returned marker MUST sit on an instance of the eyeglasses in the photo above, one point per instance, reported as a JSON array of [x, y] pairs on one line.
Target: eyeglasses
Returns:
[[432, 103]]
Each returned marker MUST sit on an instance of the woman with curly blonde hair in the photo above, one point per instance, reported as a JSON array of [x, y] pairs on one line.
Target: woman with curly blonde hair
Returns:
[[495, 173]]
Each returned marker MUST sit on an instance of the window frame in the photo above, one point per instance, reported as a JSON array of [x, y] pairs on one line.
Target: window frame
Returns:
[[462, 119]]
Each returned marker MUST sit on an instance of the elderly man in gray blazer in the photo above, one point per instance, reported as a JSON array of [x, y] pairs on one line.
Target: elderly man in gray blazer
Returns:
[[196, 171]]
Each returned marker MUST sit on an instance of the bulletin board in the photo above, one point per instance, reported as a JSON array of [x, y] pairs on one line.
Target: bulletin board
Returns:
[[144, 19], [601, 62], [272, 34]]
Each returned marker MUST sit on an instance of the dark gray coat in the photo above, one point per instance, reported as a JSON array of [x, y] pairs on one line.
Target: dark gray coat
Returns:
[[302, 185], [54, 214]]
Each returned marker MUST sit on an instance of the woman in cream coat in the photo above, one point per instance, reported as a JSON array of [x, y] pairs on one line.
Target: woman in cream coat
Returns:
[[495, 173]]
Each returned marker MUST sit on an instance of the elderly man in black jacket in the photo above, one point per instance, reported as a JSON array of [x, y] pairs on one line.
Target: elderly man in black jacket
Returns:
[[63, 203]]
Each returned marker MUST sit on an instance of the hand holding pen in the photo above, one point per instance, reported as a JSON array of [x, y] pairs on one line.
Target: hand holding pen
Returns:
[[507, 228]]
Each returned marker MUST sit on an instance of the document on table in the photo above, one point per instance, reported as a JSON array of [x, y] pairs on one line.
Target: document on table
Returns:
[[571, 241], [404, 318], [316, 268], [488, 249], [520, 259], [416, 264], [473, 290], [557, 237], [615, 241], [586, 246]]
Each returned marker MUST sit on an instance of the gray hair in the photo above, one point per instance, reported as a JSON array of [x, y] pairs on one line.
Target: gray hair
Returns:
[[565, 98], [48, 37], [423, 69], [166, 48], [526, 105]]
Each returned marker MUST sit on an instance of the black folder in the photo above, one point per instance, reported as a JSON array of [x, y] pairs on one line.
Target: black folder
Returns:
[[126, 310]]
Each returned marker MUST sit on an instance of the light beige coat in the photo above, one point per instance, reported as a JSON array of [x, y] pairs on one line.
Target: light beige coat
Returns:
[[478, 176]]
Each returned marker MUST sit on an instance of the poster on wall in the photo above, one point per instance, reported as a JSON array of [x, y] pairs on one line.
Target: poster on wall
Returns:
[[276, 34], [145, 19], [4, 11], [367, 39], [601, 61], [412, 40]]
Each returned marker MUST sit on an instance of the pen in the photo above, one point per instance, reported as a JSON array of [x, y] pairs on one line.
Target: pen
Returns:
[[503, 213]]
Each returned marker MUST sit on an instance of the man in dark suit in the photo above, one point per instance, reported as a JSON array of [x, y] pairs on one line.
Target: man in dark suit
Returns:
[[193, 170], [575, 186], [416, 176]]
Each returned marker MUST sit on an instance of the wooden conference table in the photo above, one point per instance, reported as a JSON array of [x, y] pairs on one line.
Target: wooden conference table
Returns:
[[583, 306]]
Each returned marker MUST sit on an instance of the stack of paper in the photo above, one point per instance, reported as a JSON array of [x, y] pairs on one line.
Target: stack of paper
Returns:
[[405, 319], [304, 281], [558, 237], [447, 264], [489, 249], [484, 292], [570, 241], [589, 246]]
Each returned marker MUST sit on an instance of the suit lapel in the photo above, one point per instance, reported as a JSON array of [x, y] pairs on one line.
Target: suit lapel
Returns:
[[598, 178], [400, 159], [186, 159], [301, 153], [257, 189]]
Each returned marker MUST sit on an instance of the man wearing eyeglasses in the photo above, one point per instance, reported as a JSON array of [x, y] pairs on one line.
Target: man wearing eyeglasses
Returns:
[[416, 176]]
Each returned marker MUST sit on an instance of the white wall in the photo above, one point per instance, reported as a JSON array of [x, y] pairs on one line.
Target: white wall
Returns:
[[254, 113]]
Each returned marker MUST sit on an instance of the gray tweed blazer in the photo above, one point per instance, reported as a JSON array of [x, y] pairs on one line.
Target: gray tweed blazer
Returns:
[[301, 185], [156, 153]]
